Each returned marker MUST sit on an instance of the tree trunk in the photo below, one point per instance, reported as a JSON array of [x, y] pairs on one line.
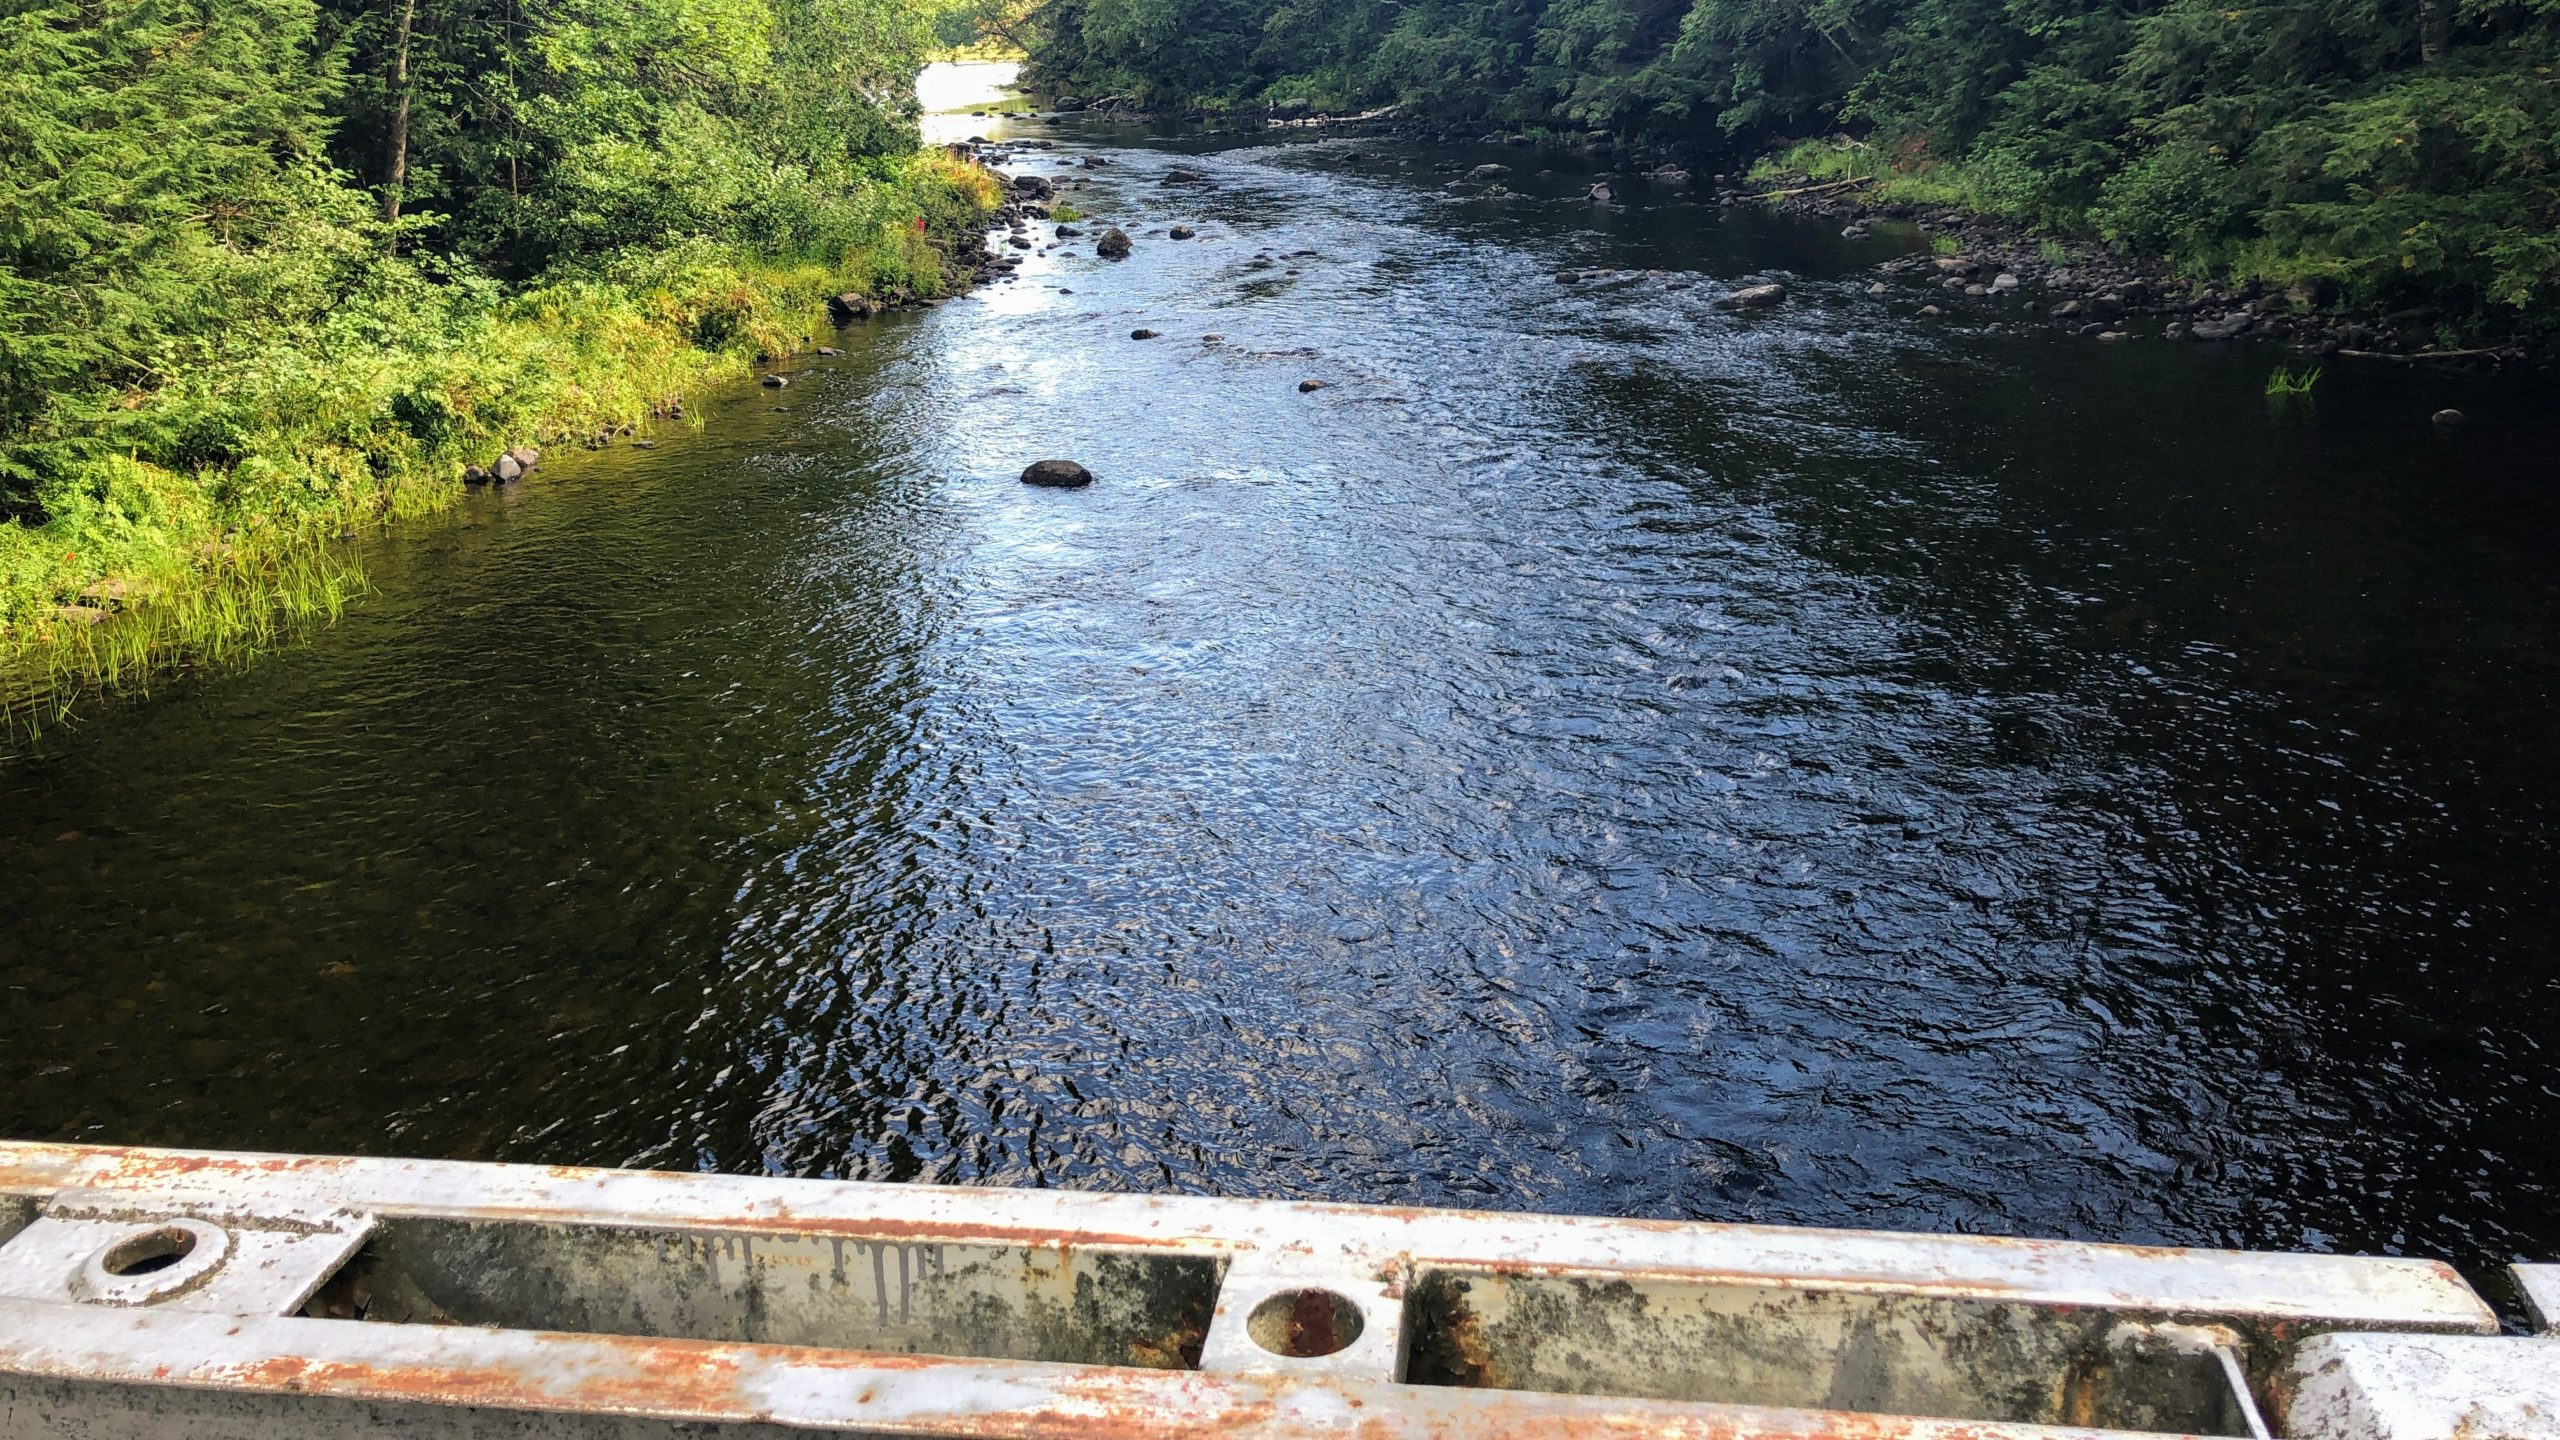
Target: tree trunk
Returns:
[[395, 141], [2435, 29]]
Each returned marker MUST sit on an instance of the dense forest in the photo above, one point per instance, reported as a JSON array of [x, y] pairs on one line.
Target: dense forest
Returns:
[[267, 266], [2400, 151]]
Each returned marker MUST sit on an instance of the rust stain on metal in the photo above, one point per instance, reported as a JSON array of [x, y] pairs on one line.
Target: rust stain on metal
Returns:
[[131, 1166], [1311, 1324], [645, 1377], [708, 1380], [1866, 1281], [784, 1221]]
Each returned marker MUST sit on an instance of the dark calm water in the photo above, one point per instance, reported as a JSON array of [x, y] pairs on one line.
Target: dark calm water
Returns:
[[1599, 755]]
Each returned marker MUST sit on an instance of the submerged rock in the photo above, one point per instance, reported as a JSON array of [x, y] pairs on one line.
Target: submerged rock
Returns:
[[1180, 232], [1057, 474], [1114, 244], [775, 382], [1309, 387], [1754, 297], [2447, 419], [1142, 334]]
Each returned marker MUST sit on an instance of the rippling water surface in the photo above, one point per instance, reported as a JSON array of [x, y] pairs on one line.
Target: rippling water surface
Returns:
[[1599, 754]]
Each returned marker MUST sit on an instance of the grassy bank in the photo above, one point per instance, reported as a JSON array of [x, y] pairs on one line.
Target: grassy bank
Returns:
[[1910, 175], [191, 514]]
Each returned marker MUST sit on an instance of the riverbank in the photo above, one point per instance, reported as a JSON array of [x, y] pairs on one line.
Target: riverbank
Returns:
[[2091, 287], [147, 556], [2077, 280]]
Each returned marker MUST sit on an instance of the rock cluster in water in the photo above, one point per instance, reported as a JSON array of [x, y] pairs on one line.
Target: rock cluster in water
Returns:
[[512, 465]]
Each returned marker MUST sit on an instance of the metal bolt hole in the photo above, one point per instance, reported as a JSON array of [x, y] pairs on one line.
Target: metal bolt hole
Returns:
[[152, 1250], [1303, 1324]]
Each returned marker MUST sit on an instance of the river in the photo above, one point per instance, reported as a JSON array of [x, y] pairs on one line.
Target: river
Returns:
[[1599, 754]]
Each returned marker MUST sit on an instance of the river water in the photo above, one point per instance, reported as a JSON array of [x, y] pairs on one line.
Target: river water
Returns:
[[1600, 754]]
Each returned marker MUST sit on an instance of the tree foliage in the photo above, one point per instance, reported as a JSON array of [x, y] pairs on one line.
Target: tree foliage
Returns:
[[248, 247], [2403, 147]]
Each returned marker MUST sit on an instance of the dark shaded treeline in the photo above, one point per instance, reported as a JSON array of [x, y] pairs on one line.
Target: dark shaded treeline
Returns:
[[2397, 150]]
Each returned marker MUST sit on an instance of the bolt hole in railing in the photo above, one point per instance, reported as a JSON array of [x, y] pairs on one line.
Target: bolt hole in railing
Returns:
[[150, 1263], [1303, 1324], [148, 1252]]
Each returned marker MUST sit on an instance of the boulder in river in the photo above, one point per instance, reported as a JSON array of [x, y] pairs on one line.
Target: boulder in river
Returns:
[[775, 382], [1484, 174], [1309, 387], [1142, 334], [474, 475], [1114, 244], [525, 455], [1180, 232], [1057, 474], [507, 471], [1034, 186], [848, 308], [1754, 297], [1601, 194], [2448, 419]]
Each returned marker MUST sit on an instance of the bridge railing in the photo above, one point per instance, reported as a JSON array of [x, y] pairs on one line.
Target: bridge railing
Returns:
[[152, 1292]]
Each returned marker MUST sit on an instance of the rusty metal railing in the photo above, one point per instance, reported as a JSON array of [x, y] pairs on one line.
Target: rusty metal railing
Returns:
[[152, 1293]]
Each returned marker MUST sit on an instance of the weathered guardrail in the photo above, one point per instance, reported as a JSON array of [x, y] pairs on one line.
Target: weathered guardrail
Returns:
[[163, 1293]]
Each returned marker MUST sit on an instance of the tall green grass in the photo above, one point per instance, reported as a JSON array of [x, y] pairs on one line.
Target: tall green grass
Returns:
[[373, 416]]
